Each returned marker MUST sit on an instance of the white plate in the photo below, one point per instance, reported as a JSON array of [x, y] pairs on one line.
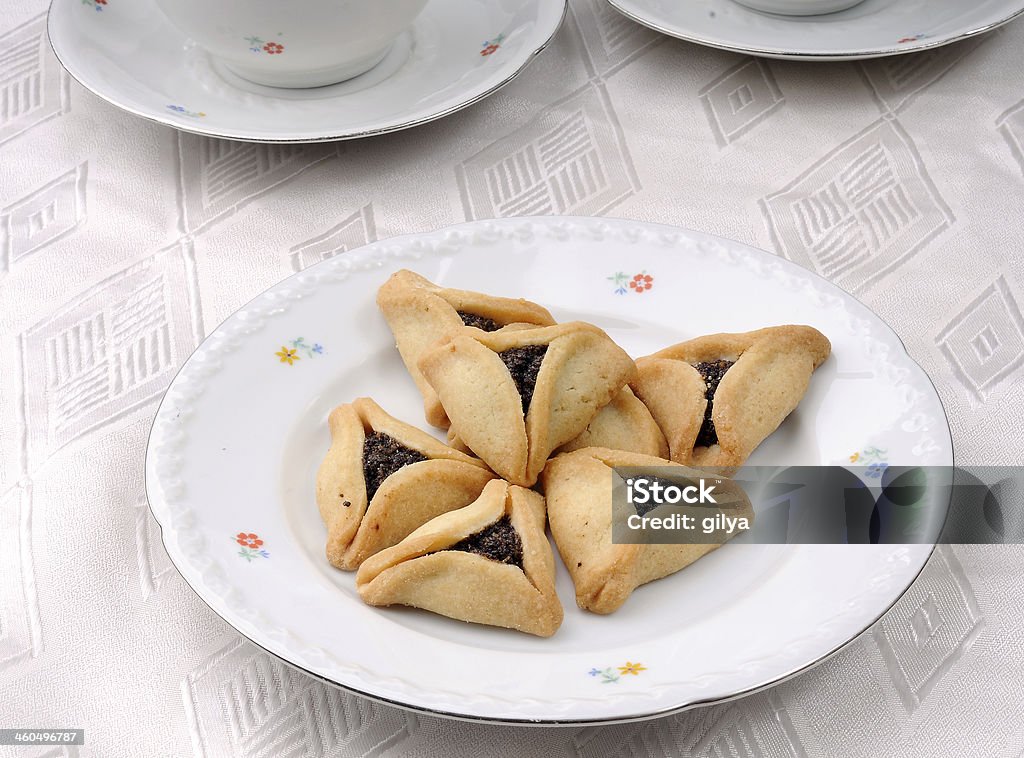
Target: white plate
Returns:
[[872, 29], [239, 435], [457, 53]]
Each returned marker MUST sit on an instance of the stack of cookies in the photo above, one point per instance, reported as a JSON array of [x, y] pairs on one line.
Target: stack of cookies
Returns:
[[530, 404]]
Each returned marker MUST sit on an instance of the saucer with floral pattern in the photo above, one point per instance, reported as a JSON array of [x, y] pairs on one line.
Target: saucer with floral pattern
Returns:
[[870, 29], [456, 53]]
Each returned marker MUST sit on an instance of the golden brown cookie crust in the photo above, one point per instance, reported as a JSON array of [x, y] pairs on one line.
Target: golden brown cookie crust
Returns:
[[771, 372], [581, 372], [421, 313], [624, 424], [578, 488], [405, 500], [422, 571]]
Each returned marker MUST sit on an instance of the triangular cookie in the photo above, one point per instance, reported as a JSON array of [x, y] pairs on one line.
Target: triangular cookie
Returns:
[[578, 488], [420, 313], [488, 563], [718, 397], [515, 396], [381, 479]]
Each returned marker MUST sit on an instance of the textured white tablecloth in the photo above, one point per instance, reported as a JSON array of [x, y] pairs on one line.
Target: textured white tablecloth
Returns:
[[899, 179]]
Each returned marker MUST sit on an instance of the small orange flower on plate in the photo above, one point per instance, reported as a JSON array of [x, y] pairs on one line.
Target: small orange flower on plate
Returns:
[[248, 540], [641, 282]]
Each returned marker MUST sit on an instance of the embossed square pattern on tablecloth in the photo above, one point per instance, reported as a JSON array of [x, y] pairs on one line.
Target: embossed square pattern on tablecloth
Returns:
[[122, 243]]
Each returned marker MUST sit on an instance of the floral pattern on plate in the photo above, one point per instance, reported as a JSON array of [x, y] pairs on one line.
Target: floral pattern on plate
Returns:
[[262, 46], [875, 459], [610, 675], [252, 546], [490, 46], [182, 110], [291, 352], [638, 283]]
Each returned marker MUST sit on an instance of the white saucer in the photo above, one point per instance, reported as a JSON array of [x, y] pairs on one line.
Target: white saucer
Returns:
[[457, 53], [872, 29]]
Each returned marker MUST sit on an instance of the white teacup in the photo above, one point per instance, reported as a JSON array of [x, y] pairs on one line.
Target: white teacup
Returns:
[[799, 7], [294, 43]]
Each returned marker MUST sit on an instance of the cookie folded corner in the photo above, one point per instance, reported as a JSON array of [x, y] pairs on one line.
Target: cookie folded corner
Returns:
[[487, 563]]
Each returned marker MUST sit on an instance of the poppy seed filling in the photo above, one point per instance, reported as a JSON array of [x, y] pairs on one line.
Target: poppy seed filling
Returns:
[[524, 365], [480, 322], [498, 542], [382, 456], [711, 372]]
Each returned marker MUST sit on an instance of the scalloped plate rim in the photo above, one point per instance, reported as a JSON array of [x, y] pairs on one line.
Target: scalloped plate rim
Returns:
[[380, 249]]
